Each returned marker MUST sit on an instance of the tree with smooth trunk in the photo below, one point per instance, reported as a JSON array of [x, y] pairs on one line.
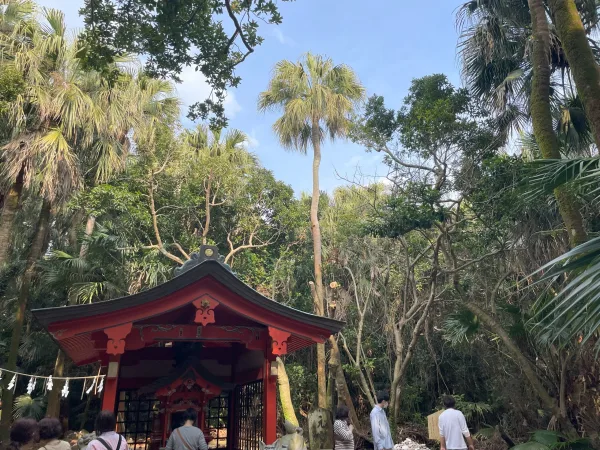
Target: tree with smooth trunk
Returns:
[[317, 98], [541, 117], [583, 65]]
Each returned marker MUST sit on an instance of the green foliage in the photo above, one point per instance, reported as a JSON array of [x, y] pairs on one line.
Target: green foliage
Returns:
[[11, 85], [551, 440], [32, 407], [174, 35], [461, 326], [317, 99], [572, 312], [473, 411], [412, 207]]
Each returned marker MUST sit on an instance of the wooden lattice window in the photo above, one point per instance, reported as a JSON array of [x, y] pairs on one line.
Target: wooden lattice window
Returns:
[[248, 416], [217, 420], [136, 418]]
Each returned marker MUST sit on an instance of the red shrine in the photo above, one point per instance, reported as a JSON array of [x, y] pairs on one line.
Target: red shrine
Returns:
[[203, 340]]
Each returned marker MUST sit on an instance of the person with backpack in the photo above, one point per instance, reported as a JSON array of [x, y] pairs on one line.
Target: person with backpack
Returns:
[[188, 436], [106, 436]]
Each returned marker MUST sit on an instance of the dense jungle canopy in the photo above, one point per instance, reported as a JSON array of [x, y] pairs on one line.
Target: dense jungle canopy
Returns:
[[471, 269]]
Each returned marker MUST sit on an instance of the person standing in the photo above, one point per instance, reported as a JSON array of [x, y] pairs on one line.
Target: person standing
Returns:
[[382, 435], [453, 428], [106, 436], [342, 429], [188, 436], [50, 433]]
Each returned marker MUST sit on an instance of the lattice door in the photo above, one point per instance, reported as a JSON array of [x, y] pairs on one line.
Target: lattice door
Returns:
[[136, 419], [248, 416]]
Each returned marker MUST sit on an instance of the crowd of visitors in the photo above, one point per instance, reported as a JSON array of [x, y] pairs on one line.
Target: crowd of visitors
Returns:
[[27, 434]]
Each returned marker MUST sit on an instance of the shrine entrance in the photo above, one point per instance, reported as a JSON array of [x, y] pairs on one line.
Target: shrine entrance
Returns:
[[203, 340]]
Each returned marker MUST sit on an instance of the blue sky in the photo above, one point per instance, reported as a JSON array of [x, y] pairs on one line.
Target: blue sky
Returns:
[[387, 43]]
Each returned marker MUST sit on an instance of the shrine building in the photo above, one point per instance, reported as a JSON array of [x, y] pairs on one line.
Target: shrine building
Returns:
[[202, 340]]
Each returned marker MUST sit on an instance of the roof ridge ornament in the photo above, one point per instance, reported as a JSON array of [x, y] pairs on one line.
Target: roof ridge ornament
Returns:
[[206, 253]]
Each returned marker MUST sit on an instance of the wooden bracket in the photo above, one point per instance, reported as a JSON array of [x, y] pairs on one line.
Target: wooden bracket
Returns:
[[116, 338], [279, 341]]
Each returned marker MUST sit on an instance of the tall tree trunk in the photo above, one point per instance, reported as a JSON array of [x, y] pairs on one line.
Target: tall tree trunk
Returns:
[[36, 250], [53, 409], [344, 397], [319, 296], [549, 403], [283, 383], [89, 229], [7, 217], [586, 74], [542, 119]]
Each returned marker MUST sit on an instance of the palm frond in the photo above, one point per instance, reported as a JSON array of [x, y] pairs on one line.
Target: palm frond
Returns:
[[26, 406], [316, 97], [548, 174], [460, 327], [574, 311]]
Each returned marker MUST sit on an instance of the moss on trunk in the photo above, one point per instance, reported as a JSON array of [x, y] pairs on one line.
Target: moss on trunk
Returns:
[[584, 68], [285, 397], [542, 118]]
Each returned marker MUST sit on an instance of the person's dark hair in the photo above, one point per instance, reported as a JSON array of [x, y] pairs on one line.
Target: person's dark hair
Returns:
[[342, 412], [50, 428], [383, 396], [190, 414], [449, 402], [105, 422], [22, 432]]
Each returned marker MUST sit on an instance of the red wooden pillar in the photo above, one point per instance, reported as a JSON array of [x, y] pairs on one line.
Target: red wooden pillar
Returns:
[[115, 347], [269, 404], [109, 398]]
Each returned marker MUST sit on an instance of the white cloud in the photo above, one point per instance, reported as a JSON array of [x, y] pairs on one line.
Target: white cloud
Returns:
[[282, 38], [251, 142], [194, 88]]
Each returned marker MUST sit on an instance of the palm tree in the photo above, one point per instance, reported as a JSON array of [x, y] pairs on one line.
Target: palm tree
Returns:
[[495, 48], [15, 19], [573, 35], [64, 113], [519, 82], [541, 116], [317, 98], [135, 103], [70, 124]]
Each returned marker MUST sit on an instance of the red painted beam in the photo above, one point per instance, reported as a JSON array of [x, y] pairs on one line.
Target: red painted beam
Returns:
[[145, 335]]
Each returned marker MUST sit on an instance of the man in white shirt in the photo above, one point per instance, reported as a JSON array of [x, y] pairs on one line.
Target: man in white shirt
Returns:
[[380, 427], [453, 428]]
